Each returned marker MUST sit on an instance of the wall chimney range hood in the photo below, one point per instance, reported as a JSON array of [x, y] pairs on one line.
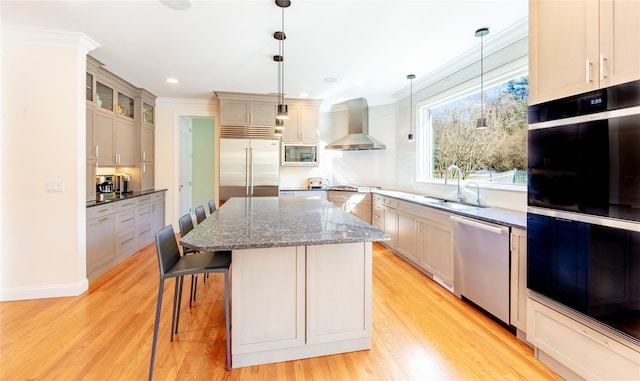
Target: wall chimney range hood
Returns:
[[358, 138]]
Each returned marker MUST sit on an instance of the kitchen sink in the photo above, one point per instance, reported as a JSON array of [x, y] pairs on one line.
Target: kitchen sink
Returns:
[[448, 203]]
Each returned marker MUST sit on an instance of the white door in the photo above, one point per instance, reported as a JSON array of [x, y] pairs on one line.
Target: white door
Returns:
[[185, 165]]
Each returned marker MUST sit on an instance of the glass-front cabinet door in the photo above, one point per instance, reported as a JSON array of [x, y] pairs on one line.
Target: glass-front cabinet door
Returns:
[[147, 113], [124, 106], [89, 88], [104, 96]]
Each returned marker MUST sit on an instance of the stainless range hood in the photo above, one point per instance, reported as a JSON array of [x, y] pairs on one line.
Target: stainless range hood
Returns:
[[358, 128]]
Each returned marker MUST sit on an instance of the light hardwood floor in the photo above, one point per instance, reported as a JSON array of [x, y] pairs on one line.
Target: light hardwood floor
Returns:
[[420, 332]]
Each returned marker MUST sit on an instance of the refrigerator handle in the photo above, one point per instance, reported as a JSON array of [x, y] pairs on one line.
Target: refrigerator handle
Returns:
[[246, 171], [251, 169]]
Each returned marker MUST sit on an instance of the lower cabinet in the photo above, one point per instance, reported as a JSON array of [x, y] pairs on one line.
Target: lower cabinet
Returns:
[[409, 236], [519, 279], [299, 302], [118, 229], [356, 203], [101, 228], [437, 246], [571, 347]]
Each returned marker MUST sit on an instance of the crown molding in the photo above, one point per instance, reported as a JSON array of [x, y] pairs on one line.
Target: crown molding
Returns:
[[49, 38]]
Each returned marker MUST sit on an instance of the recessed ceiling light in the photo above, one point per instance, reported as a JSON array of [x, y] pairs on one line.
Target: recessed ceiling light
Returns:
[[172, 80], [330, 80], [179, 5], [303, 95]]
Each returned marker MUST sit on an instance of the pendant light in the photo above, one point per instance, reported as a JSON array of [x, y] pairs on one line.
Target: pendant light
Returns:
[[482, 121], [283, 109], [410, 137]]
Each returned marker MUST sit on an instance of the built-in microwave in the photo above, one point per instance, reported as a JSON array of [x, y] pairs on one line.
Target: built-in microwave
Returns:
[[299, 155]]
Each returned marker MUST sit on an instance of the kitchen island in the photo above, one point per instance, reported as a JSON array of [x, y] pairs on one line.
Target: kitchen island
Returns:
[[301, 276]]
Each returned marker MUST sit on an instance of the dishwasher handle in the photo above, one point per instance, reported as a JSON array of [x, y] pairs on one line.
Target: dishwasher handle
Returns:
[[492, 228]]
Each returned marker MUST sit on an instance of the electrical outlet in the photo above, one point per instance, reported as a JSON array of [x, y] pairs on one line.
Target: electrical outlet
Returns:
[[54, 187]]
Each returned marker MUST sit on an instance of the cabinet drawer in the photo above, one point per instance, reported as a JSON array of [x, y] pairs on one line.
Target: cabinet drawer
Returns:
[[100, 210], [143, 213], [390, 202], [144, 234], [157, 196], [126, 243], [125, 204], [125, 220], [585, 351], [143, 200]]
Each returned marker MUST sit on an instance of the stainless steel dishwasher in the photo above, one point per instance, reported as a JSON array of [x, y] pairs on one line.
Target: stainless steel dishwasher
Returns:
[[481, 265]]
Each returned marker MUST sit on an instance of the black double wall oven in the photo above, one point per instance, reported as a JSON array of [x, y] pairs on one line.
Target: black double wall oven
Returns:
[[583, 220]]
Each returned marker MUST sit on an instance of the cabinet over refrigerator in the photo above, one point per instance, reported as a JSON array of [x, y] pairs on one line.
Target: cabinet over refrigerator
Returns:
[[249, 167]]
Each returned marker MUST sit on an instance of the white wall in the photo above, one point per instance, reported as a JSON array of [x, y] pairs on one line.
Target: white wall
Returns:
[[43, 126]]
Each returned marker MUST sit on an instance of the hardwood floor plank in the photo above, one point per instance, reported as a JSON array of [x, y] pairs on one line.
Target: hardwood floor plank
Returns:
[[420, 332]]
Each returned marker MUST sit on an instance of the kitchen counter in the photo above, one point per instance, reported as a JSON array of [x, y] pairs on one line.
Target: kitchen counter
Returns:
[[245, 223], [117, 197], [296, 261], [507, 217]]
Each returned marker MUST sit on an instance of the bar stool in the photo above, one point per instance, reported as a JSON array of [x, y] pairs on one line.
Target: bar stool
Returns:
[[172, 265]]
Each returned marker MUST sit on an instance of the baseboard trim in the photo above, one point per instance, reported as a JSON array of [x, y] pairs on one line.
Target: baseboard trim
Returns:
[[45, 291]]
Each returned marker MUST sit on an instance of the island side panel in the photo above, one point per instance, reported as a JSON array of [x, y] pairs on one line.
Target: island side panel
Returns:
[[339, 292], [264, 282], [267, 299]]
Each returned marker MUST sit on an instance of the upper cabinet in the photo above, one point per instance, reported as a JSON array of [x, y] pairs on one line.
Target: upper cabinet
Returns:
[[254, 115], [247, 113], [120, 125], [302, 125], [578, 46]]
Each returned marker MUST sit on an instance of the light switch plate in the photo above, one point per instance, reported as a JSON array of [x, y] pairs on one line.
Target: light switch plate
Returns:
[[54, 187]]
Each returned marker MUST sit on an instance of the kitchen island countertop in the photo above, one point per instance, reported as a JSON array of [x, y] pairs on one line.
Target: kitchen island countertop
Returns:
[[260, 222]]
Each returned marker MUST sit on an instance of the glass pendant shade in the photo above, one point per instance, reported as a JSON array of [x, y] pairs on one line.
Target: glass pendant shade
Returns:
[[410, 137]]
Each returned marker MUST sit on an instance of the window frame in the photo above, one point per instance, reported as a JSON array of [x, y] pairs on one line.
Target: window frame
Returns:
[[424, 141]]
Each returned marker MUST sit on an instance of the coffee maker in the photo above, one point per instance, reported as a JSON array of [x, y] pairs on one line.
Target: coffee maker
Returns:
[[105, 184], [122, 183]]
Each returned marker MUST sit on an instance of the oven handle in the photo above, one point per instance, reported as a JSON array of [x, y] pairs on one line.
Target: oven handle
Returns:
[[491, 228]]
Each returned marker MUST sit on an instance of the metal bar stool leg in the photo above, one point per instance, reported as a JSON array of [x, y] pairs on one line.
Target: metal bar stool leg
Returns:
[[227, 322], [155, 328]]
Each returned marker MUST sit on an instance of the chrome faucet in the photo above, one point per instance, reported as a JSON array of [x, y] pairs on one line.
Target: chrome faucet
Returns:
[[477, 191], [446, 178]]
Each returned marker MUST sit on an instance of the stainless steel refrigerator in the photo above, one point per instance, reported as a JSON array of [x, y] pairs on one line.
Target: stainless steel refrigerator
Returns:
[[249, 167]]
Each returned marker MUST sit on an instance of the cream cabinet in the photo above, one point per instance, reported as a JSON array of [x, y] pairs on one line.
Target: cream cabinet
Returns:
[[103, 133], [119, 126], [302, 125], [578, 46], [286, 299], [235, 112], [118, 229], [437, 245], [125, 143], [420, 234], [572, 347], [125, 228], [356, 203], [385, 214], [101, 251], [409, 237], [518, 316], [147, 176]]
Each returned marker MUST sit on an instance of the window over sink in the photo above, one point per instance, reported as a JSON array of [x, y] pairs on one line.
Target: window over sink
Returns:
[[447, 134]]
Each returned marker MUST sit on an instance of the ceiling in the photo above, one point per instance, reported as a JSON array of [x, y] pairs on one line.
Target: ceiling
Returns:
[[367, 46]]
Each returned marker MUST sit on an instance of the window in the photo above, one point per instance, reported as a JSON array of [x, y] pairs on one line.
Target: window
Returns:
[[447, 135]]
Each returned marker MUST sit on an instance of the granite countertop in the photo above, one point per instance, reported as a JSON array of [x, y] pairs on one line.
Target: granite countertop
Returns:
[[116, 197], [261, 222], [507, 217]]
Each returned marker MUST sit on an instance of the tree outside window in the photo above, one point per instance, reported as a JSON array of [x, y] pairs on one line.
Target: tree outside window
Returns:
[[497, 154]]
